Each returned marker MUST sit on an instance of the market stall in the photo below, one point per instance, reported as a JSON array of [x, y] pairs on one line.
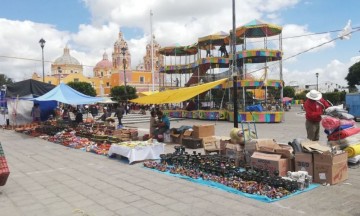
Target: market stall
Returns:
[[137, 150]]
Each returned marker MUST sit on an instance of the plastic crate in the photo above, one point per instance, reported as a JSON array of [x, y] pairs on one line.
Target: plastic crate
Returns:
[[4, 171]]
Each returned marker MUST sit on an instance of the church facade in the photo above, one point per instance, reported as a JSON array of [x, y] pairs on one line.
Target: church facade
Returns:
[[109, 73]]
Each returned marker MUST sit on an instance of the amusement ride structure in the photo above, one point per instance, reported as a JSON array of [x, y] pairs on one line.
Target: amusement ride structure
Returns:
[[190, 67]]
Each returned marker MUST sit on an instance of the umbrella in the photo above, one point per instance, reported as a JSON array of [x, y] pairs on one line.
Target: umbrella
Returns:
[[178, 50], [173, 51], [258, 29], [286, 99], [216, 39]]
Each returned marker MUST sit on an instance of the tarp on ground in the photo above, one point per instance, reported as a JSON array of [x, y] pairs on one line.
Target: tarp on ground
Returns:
[[65, 94], [178, 95]]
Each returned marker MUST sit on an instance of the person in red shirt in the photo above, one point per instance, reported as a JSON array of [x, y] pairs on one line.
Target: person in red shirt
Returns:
[[314, 107]]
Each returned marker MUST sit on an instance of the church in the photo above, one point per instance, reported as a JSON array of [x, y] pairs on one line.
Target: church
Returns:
[[109, 73]]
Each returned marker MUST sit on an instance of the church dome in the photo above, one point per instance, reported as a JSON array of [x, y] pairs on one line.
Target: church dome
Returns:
[[66, 59], [105, 63]]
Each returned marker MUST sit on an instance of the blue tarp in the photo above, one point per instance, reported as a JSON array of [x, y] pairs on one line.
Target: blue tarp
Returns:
[[220, 186], [65, 94], [254, 108]]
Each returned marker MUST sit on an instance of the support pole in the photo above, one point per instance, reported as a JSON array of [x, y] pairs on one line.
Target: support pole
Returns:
[[234, 71]]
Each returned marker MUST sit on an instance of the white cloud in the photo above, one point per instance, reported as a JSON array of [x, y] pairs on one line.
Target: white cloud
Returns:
[[174, 21]]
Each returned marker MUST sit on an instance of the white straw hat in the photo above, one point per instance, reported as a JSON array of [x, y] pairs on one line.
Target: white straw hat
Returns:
[[314, 95]]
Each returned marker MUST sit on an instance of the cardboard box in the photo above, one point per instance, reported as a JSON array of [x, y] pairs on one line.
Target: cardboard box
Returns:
[[176, 138], [329, 168], [314, 146], [187, 133], [200, 131], [304, 162], [190, 142], [210, 143], [270, 162], [235, 151]]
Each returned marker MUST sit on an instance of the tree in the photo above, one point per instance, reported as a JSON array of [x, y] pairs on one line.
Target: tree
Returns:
[[4, 80], [118, 93], [301, 95], [83, 87], [353, 77], [289, 91]]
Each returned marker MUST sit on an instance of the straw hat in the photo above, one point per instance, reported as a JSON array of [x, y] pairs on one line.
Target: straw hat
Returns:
[[314, 95]]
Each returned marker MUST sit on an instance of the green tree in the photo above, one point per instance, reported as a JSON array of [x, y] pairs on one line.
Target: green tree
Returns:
[[289, 92], [353, 77], [301, 95], [4, 80], [83, 87], [118, 93]]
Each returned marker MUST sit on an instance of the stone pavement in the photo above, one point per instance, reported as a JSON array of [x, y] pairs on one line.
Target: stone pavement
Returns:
[[50, 179]]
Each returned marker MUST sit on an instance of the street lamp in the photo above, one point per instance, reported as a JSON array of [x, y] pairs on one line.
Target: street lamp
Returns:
[[234, 71], [123, 50], [59, 72], [42, 44], [317, 81]]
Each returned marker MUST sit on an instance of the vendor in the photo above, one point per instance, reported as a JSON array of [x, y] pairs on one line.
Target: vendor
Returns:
[[163, 125], [78, 116], [314, 107], [153, 122], [105, 115]]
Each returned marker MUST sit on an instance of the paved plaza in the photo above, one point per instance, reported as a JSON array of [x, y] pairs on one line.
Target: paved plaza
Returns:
[[48, 179]]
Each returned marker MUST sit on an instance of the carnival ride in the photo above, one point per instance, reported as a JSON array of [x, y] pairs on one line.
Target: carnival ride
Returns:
[[202, 69]]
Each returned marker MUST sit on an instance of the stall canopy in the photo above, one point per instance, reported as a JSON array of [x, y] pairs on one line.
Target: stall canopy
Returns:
[[178, 95], [65, 94], [107, 100], [142, 94], [28, 87]]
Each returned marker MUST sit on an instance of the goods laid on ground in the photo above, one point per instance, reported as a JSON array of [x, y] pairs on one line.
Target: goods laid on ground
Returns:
[[342, 132], [223, 170], [94, 137], [4, 169]]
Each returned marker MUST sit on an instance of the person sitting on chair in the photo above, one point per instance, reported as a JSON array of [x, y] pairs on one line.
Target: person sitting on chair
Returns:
[[163, 125]]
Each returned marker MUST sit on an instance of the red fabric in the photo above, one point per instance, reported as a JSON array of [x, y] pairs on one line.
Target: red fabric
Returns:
[[314, 109], [332, 123], [343, 134]]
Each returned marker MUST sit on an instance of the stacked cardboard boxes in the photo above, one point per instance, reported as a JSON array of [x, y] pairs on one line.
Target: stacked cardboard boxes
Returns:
[[126, 134], [272, 156], [330, 168], [304, 162], [194, 139]]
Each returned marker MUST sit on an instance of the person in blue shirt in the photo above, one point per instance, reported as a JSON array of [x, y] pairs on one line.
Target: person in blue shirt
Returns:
[[163, 124]]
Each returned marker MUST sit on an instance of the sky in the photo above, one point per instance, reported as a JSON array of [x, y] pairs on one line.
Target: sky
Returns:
[[90, 28]]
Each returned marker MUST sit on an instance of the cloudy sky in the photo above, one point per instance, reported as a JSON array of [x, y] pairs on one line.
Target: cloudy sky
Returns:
[[90, 27]]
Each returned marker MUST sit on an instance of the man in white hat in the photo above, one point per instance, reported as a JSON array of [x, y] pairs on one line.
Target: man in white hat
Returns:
[[314, 107]]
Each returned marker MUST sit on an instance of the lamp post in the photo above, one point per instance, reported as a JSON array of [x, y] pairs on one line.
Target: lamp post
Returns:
[[123, 50], [59, 74], [42, 44], [317, 81], [234, 71]]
